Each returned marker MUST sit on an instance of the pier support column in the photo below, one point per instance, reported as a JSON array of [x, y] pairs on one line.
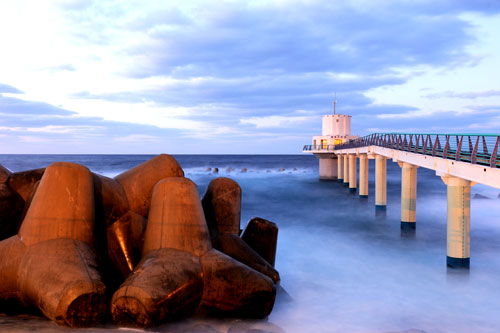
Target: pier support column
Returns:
[[328, 168], [408, 196], [380, 183], [458, 222], [363, 176], [352, 173], [346, 170], [340, 168]]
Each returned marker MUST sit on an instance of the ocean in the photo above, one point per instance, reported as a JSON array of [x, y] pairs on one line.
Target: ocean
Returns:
[[342, 267]]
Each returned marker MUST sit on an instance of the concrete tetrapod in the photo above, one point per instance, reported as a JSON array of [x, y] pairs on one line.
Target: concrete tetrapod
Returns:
[[262, 236], [12, 251], [222, 207], [124, 240], [11, 208], [56, 265], [177, 229], [139, 181], [166, 284], [23, 182], [232, 288]]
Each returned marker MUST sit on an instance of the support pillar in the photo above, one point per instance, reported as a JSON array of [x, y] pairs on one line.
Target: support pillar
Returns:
[[352, 173], [380, 182], [346, 170], [328, 168], [363, 176], [408, 196], [340, 168], [458, 222]]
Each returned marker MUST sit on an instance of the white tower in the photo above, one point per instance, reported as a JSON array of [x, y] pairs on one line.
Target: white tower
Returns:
[[336, 130]]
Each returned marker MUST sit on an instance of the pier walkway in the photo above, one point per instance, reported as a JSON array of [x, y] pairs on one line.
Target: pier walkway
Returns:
[[461, 160]]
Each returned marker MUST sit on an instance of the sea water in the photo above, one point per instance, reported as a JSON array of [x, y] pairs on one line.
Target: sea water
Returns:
[[342, 267]]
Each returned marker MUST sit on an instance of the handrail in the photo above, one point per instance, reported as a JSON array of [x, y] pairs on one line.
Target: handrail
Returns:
[[319, 147], [481, 149]]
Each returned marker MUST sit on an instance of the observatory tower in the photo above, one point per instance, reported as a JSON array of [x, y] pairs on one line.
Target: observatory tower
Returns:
[[336, 130]]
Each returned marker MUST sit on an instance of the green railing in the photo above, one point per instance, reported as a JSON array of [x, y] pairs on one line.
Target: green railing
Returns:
[[479, 149]]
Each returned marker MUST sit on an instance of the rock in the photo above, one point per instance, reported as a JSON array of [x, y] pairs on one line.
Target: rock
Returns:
[[11, 208], [262, 236], [229, 169], [23, 182], [139, 181], [281, 169], [4, 174], [244, 170], [234, 289], [294, 169], [222, 206], [60, 277], [62, 207], [208, 169], [216, 170], [236, 248], [479, 196], [125, 241], [176, 218], [167, 284]]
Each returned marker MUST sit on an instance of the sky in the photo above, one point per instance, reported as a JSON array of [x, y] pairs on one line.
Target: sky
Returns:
[[240, 77]]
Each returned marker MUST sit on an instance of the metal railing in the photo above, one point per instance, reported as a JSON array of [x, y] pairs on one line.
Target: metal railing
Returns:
[[319, 147], [479, 149]]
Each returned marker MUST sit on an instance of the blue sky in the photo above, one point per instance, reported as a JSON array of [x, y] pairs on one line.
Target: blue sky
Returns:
[[240, 76]]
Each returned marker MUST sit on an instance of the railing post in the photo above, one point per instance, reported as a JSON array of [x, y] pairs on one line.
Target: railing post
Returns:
[[446, 147], [493, 157], [474, 152], [459, 148]]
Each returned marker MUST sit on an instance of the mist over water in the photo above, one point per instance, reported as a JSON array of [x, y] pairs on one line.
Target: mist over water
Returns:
[[345, 269]]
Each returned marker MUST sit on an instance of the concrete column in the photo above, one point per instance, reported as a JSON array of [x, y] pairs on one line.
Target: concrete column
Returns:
[[380, 182], [458, 222], [346, 170], [352, 173], [408, 195], [363, 176], [340, 168], [328, 168]]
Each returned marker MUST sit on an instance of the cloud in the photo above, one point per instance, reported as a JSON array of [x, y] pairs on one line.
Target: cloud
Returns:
[[5, 88], [465, 95], [275, 121], [156, 73]]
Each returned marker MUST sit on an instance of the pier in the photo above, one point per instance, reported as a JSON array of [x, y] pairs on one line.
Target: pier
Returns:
[[461, 160]]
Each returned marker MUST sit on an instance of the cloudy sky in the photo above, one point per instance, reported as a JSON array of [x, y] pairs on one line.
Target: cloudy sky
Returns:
[[240, 76]]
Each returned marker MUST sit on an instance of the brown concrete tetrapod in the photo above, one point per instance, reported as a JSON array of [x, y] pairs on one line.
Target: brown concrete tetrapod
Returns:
[[168, 281], [11, 208], [177, 227], [232, 288], [262, 236], [222, 207], [139, 181], [56, 264], [22, 182]]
